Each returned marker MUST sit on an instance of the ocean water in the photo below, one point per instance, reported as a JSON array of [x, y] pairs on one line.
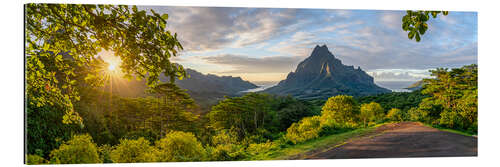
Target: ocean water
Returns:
[[395, 86], [260, 88]]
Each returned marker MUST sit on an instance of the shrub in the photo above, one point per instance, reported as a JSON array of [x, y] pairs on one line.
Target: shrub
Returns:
[[467, 109], [105, 153], [416, 114], [227, 152], [371, 112], [306, 129], [450, 119], [180, 146], [259, 148], [396, 115], [227, 147], [35, 160], [80, 149], [130, 150], [340, 111]]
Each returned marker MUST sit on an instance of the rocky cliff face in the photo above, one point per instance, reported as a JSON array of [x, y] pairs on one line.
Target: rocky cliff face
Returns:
[[321, 75]]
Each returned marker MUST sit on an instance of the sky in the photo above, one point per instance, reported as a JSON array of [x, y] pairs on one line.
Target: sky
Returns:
[[265, 44]]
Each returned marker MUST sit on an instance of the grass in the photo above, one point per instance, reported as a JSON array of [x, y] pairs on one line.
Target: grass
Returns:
[[298, 151], [465, 133]]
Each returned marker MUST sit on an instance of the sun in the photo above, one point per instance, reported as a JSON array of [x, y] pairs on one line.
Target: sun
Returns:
[[111, 67]]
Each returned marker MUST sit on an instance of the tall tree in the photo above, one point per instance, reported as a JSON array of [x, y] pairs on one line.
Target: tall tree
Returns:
[[140, 39], [340, 111], [455, 92], [371, 112]]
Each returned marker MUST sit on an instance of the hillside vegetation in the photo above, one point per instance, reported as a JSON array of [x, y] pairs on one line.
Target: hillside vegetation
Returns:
[[254, 126]]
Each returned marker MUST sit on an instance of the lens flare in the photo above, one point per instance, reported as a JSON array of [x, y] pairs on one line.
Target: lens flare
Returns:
[[111, 67]]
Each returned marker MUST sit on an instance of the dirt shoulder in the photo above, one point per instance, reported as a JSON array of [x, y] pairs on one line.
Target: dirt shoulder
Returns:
[[405, 139]]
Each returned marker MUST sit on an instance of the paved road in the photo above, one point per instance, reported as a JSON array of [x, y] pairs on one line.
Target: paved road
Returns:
[[406, 139]]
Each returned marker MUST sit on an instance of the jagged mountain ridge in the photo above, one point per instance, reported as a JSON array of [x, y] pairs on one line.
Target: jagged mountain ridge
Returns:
[[198, 82], [321, 75], [206, 90]]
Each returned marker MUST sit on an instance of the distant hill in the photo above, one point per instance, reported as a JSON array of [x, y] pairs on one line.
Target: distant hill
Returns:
[[198, 82], [206, 90], [416, 86], [321, 75]]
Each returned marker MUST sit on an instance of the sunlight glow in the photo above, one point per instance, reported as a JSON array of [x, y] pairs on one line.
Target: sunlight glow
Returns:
[[111, 67]]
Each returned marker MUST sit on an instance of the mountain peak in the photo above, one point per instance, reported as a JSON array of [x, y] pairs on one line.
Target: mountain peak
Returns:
[[323, 75], [321, 50]]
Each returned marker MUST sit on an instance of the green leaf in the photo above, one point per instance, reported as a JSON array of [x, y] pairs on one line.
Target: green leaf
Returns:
[[164, 16], [59, 58], [434, 14], [417, 37], [411, 34], [46, 46]]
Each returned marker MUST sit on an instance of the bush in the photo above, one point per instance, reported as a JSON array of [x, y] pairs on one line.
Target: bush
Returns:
[[180, 146], [450, 119], [306, 129], [129, 151], [259, 148], [371, 112], [80, 149], [227, 147], [467, 109], [227, 152], [105, 153], [396, 115], [415, 114], [35, 160], [340, 111]]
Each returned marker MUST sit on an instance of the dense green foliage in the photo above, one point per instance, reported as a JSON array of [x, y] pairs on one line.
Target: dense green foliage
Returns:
[[340, 111], [109, 118], [401, 100], [308, 128], [35, 160], [179, 146], [370, 113], [45, 130], [62, 41], [415, 22], [130, 150], [226, 147], [256, 113], [396, 115], [80, 149], [454, 96]]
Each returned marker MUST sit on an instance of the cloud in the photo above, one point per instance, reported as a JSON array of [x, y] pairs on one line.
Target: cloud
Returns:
[[339, 26], [371, 39], [399, 74], [245, 64], [302, 36], [212, 28], [392, 19]]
